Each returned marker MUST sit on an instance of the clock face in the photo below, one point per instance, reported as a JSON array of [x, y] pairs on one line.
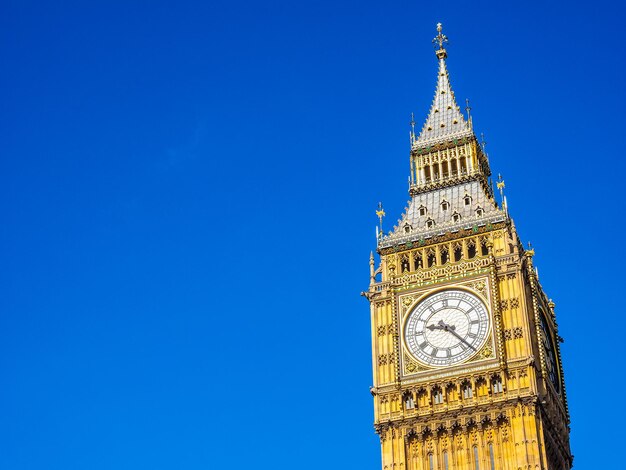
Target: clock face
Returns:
[[447, 328], [549, 352]]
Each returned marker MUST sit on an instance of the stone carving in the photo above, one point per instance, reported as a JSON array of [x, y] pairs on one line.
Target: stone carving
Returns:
[[479, 286], [486, 352], [407, 301], [410, 366]]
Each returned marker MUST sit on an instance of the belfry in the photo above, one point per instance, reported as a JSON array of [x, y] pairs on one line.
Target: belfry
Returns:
[[465, 348]]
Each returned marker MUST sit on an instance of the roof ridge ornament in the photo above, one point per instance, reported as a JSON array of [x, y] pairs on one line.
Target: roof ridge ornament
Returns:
[[440, 39]]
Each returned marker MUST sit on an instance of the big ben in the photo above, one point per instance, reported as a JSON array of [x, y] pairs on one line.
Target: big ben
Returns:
[[467, 370]]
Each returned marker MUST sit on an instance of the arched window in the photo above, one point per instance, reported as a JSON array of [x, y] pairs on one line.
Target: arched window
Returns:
[[404, 264], [409, 403], [496, 383], [431, 464], [431, 259], [483, 247], [437, 396], [476, 463], [467, 391], [445, 460], [479, 211], [471, 249], [417, 259], [492, 460], [444, 255], [458, 252]]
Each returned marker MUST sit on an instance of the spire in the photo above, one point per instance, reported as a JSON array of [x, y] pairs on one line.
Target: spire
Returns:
[[445, 120]]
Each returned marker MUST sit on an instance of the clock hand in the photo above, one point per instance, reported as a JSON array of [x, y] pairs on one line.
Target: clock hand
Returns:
[[435, 327], [444, 326], [451, 330]]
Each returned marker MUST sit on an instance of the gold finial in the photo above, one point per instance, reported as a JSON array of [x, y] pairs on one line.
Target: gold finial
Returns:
[[412, 124], [380, 212], [440, 39], [500, 184]]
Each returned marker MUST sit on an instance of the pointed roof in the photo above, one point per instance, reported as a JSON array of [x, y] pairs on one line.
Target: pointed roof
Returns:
[[445, 121]]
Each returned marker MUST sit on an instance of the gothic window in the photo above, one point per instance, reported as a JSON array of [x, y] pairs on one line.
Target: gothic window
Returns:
[[497, 384], [479, 211], [404, 264], [444, 255], [422, 210], [492, 460], [475, 451], [431, 464], [458, 252], [456, 217], [471, 249], [444, 169], [467, 200], [418, 261], [431, 259], [483, 247], [409, 403], [407, 228], [445, 205], [437, 396], [427, 173], [445, 460], [467, 391], [430, 223], [453, 165]]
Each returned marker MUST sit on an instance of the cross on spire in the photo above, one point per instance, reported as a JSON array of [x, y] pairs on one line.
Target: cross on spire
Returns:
[[440, 39]]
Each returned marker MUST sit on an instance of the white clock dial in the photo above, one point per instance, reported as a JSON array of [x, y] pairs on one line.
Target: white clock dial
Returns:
[[446, 328]]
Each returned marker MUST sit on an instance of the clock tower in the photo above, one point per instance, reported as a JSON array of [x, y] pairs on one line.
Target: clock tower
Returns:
[[465, 347]]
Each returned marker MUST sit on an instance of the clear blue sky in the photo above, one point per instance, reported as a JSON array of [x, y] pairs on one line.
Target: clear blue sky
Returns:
[[187, 193]]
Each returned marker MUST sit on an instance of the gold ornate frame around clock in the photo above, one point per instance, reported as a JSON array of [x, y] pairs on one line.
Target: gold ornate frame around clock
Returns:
[[406, 301]]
